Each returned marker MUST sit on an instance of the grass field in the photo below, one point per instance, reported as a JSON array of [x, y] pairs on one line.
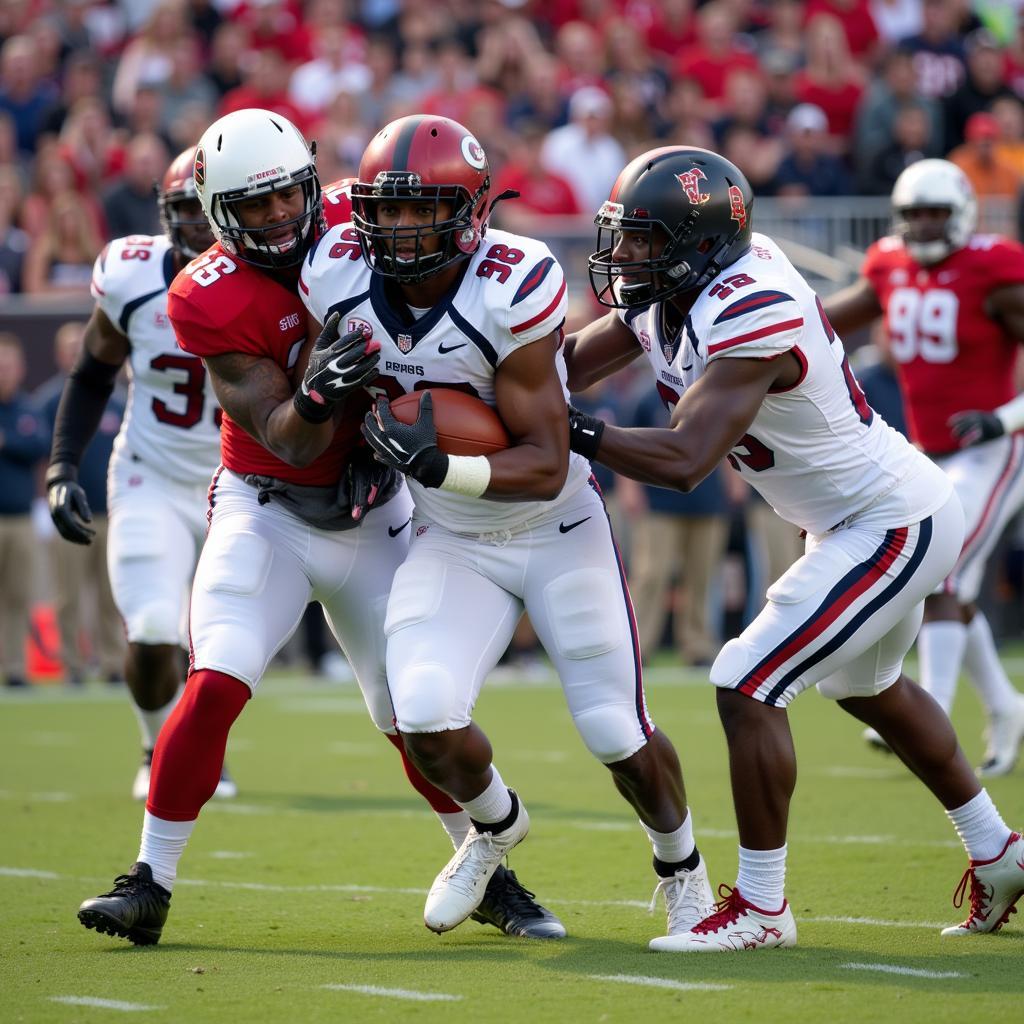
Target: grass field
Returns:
[[302, 900]]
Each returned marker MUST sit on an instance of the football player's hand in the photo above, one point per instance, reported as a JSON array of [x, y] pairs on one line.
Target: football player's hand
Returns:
[[411, 448], [365, 481], [584, 433], [974, 427], [337, 366], [69, 507]]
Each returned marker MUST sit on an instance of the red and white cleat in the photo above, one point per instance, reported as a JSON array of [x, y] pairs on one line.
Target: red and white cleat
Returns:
[[735, 925], [995, 886]]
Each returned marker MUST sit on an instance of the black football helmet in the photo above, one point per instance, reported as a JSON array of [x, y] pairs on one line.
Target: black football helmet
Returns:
[[695, 200]]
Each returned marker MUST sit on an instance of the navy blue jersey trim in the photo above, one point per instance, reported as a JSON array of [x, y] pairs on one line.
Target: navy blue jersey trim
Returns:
[[474, 336], [130, 307], [533, 280]]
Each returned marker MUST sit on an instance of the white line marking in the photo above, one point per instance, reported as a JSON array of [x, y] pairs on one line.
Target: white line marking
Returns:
[[845, 771], [913, 972], [323, 705], [53, 797], [104, 1004], [677, 986], [28, 873], [874, 922], [230, 854], [396, 993]]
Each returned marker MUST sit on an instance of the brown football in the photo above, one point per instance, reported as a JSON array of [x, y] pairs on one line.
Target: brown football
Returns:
[[465, 425]]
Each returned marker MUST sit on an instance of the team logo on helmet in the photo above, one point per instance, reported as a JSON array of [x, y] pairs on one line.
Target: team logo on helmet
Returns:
[[737, 208], [691, 186], [199, 169], [473, 153]]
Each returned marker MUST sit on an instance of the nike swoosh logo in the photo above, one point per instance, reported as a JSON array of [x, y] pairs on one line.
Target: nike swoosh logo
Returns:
[[562, 528], [688, 366], [444, 351], [394, 531]]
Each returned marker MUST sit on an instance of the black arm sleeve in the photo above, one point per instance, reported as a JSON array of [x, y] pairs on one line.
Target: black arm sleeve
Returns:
[[85, 395]]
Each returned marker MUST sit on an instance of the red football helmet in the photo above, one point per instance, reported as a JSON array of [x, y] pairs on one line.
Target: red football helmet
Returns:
[[431, 159], [180, 207]]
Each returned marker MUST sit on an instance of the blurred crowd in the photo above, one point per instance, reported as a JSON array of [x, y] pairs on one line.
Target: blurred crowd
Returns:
[[820, 97]]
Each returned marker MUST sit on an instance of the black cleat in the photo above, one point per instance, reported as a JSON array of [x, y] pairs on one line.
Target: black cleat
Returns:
[[135, 909], [515, 910]]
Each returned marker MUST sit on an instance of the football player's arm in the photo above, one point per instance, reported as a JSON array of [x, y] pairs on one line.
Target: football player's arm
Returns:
[[257, 394], [709, 420], [853, 307], [82, 402], [531, 404], [597, 351]]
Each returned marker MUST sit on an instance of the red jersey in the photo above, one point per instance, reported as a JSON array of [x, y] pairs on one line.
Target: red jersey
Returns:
[[220, 304], [950, 353]]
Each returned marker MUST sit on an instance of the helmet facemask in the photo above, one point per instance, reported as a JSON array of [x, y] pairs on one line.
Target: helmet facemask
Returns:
[[173, 220], [460, 233], [930, 250]]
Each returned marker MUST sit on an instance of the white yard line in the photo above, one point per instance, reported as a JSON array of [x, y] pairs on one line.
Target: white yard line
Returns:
[[396, 993], [104, 1004], [912, 972], [28, 873], [677, 986]]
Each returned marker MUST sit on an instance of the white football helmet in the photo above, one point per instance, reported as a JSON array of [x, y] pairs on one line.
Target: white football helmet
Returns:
[[248, 153], [936, 184]]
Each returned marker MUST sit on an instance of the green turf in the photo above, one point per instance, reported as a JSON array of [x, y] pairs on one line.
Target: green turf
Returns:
[[315, 876]]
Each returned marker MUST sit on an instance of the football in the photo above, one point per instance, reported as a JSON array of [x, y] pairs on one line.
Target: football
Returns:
[[465, 425]]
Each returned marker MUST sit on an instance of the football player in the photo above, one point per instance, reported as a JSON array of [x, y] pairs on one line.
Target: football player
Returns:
[[164, 455], [453, 305], [754, 372], [283, 508], [953, 302]]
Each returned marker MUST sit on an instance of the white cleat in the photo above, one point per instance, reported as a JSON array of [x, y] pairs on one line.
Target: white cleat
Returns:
[[459, 889], [227, 788], [875, 741], [140, 787], [995, 886], [1005, 735], [688, 899], [734, 926]]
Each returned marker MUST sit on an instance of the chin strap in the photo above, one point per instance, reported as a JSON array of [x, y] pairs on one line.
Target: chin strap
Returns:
[[509, 193]]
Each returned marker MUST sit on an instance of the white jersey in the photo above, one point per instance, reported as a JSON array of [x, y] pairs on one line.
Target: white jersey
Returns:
[[511, 293], [816, 450], [172, 420]]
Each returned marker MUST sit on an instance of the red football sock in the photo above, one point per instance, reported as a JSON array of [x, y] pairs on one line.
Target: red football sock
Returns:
[[440, 801], [189, 752]]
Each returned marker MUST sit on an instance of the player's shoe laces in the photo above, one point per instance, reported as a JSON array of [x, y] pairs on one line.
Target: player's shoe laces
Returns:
[[1005, 735], [513, 909], [459, 889], [226, 789], [688, 899], [735, 925], [875, 741], [135, 909], [995, 887]]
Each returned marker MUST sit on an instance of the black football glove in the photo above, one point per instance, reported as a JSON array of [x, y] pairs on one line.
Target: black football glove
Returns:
[[336, 367], [975, 427], [584, 433], [69, 507], [365, 481], [411, 448]]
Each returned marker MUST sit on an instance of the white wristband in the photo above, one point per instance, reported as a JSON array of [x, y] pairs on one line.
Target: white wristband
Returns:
[[1011, 415], [467, 474]]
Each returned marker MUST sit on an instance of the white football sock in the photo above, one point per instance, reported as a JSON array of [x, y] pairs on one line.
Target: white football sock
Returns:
[[672, 847], [985, 670], [493, 804], [762, 877], [456, 824], [163, 843], [940, 645], [151, 722], [980, 827]]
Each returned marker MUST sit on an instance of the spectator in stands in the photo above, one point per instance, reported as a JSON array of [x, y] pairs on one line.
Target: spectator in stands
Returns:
[[276, 25], [227, 57], [782, 41], [897, 19], [831, 79], [686, 116], [983, 83], [147, 59], [24, 94], [265, 85], [757, 156], [634, 76], [337, 66], [1009, 113], [938, 49], [130, 205], [89, 143], [670, 27], [341, 137], [82, 78], [808, 169], [52, 177], [895, 88], [978, 158], [80, 573], [909, 144], [539, 99], [13, 241], [746, 105], [187, 85], [584, 152], [10, 156], [60, 259], [23, 443], [579, 48], [457, 88], [856, 19]]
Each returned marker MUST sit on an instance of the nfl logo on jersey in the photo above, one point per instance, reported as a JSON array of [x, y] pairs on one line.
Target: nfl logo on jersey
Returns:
[[404, 343]]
